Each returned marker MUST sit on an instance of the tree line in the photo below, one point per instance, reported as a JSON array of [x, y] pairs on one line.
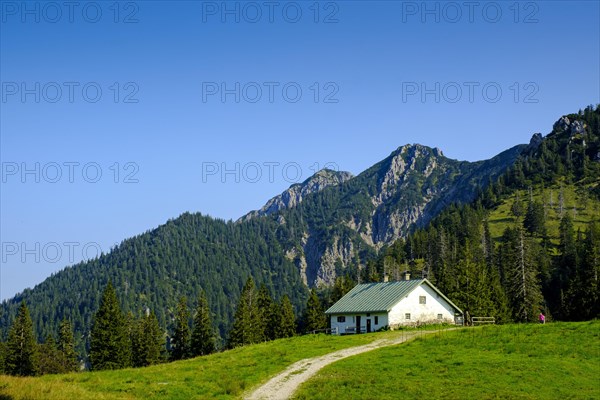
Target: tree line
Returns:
[[120, 340]]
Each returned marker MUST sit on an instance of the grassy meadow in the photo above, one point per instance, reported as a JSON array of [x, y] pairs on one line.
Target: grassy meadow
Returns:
[[552, 361], [582, 208], [556, 360], [225, 375]]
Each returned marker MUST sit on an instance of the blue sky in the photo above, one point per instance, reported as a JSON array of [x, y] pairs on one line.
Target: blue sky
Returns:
[[161, 97]]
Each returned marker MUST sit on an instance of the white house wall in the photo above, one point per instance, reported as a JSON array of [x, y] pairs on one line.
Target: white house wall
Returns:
[[350, 323], [421, 313]]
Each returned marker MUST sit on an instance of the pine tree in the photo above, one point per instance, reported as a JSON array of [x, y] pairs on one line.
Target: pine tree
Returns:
[[265, 310], [203, 337], [66, 346], [109, 343], [534, 220], [154, 338], [2, 357], [523, 290], [583, 295], [287, 319], [146, 341], [342, 285], [21, 347], [314, 318], [181, 335], [49, 358], [246, 324]]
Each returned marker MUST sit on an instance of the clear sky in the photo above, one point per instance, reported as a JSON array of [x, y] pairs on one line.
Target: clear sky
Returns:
[[116, 117]]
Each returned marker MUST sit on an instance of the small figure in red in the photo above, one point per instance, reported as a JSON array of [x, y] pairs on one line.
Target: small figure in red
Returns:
[[542, 318]]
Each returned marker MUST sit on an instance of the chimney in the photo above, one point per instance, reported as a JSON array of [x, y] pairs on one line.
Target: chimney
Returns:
[[407, 276], [386, 278]]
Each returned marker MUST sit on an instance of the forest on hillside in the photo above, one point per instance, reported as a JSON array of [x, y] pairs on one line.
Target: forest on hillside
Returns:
[[541, 261]]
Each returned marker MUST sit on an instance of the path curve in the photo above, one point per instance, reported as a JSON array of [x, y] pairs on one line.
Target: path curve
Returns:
[[283, 385]]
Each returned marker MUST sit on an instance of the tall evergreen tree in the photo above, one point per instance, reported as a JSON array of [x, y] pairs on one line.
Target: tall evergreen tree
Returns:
[[49, 358], [314, 318], [287, 319], [203, 337], [147, 341], [181, 335], [246, 325], [21, 347], [535, 220], [2, 357], [265, 311], [109, 343], [523, 289], [583, 295], [66, 346]]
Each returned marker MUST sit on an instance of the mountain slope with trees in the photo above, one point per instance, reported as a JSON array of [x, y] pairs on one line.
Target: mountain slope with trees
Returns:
[[537, 258], [416, 210]]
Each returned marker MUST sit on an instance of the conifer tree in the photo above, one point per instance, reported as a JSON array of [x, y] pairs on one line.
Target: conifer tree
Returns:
[[109, 343], [146, 341], [181, 335], [246, 324], [265, 310], [21, 347], [314, 317], [203, 337], [534, 220], [66, 346], [2, 357], [287, 319], [523, 289], [49, 358]]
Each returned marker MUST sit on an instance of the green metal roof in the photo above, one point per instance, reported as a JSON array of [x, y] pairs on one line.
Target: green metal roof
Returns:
[[376, 297]]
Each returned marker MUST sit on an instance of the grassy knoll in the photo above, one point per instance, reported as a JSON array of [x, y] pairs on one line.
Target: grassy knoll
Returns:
[[581, 206], [222, 376], [552, 361]]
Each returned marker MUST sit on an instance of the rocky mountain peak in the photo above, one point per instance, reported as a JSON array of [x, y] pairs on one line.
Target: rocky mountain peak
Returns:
[[292, 196]]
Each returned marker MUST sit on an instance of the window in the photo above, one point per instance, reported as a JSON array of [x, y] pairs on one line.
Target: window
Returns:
[[343, 319], [440, 316], [422, 300], [407, 316], [376, 320]]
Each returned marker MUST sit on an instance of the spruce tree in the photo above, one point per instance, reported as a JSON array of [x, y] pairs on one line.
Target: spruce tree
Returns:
[[146, 341], [154, 337], [66, 346], [265, 310], [203, 337], [314, 317], [523, 290], [181, 335], [109, 343], [535, 220], [246, 324], [49, 358], [287, 319], [2, 357], [21, 347]]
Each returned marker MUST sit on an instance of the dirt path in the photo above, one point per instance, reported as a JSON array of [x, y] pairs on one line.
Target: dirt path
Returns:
[[283, 385]]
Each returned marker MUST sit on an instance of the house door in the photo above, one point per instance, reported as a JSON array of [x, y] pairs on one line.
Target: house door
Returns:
[[369, 325], [358, 324]]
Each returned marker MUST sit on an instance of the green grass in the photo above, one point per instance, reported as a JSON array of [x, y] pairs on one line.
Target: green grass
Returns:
[[552, 361], [225, 375], [582, 208]]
